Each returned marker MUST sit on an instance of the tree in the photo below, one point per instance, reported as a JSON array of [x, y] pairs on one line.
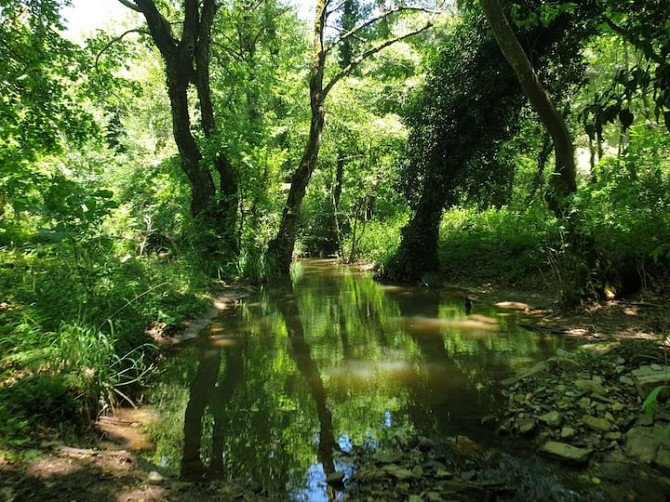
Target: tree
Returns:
[[40, 110], [563, 183], [187, 62], [471, 103], [281, 246]]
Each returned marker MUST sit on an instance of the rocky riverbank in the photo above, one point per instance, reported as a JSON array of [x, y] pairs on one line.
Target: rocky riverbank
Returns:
[[581, 410]]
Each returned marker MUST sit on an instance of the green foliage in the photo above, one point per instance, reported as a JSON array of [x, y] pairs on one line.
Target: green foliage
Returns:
[[381, 239], [502, 245]]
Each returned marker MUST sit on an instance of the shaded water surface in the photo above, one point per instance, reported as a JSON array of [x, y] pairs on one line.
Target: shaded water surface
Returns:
[[330, 359]]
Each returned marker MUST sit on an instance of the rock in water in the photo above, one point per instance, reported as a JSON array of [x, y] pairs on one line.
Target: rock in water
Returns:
[[565, 452]]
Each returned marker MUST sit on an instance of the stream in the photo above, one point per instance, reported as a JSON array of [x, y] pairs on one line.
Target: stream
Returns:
[[326, 361]]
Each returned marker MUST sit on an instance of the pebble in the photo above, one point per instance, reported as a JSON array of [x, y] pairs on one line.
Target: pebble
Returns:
[[155, 478]]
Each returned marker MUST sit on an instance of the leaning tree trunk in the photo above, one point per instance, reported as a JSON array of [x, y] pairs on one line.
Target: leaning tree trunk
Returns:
[[563, 183], [280, 249]]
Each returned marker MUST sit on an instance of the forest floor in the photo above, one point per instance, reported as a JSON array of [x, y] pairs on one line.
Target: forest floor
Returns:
[[104, 464]]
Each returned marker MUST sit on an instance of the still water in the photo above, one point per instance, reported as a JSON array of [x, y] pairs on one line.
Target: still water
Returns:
[[331, 359]]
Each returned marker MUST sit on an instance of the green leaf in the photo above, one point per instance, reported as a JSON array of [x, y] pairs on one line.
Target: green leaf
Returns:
[[650, 404]]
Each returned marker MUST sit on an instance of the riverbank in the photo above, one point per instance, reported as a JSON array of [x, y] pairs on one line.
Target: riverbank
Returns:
[[107, 464]]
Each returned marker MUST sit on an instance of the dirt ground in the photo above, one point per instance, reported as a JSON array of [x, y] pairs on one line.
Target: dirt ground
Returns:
[[108, 468]]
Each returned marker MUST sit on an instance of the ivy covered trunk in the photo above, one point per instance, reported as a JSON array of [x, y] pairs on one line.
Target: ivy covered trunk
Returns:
[[417, 253]]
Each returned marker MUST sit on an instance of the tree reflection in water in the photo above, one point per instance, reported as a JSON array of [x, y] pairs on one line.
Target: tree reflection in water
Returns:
[[208, 390], [331, 359]]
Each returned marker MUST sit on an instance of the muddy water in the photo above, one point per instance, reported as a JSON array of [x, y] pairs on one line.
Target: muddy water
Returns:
[[325, 361]]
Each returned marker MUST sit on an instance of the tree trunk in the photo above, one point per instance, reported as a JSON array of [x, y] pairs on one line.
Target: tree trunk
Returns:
[[417, 253], [280, 249], [186, 62], [226, 212], [563, 183]]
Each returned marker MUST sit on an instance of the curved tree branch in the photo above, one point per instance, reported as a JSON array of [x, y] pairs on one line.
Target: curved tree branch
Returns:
[[370, 52], [131, 5], [115, 40], [375, 20]]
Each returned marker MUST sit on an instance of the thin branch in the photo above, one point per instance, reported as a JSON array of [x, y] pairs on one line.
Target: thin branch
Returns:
[[370, 52], [131, 5], [341, 30], [376, 19], [117, 39], [336, 8]]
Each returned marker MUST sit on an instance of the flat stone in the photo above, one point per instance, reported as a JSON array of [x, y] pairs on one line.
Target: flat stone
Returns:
[[615, 467], [626, 380], [617, 406], [537, 368], [398, 472], [561, 363], [463, 446], [584, 403], [647, 378], [590, 386], [386, 457], [565, 452], [600, 424], [552, 419]]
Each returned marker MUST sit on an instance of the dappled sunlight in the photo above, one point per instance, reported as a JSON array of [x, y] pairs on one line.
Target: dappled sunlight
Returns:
[[437, 326]]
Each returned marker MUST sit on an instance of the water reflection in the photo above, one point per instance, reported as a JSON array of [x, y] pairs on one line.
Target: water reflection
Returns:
[[275, 389]]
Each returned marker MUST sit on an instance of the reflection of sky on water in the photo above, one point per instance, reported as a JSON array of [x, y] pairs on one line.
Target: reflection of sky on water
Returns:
[[335, 358]]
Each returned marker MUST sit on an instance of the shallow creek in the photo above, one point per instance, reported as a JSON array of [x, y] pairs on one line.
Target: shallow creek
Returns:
[[331, 360]]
